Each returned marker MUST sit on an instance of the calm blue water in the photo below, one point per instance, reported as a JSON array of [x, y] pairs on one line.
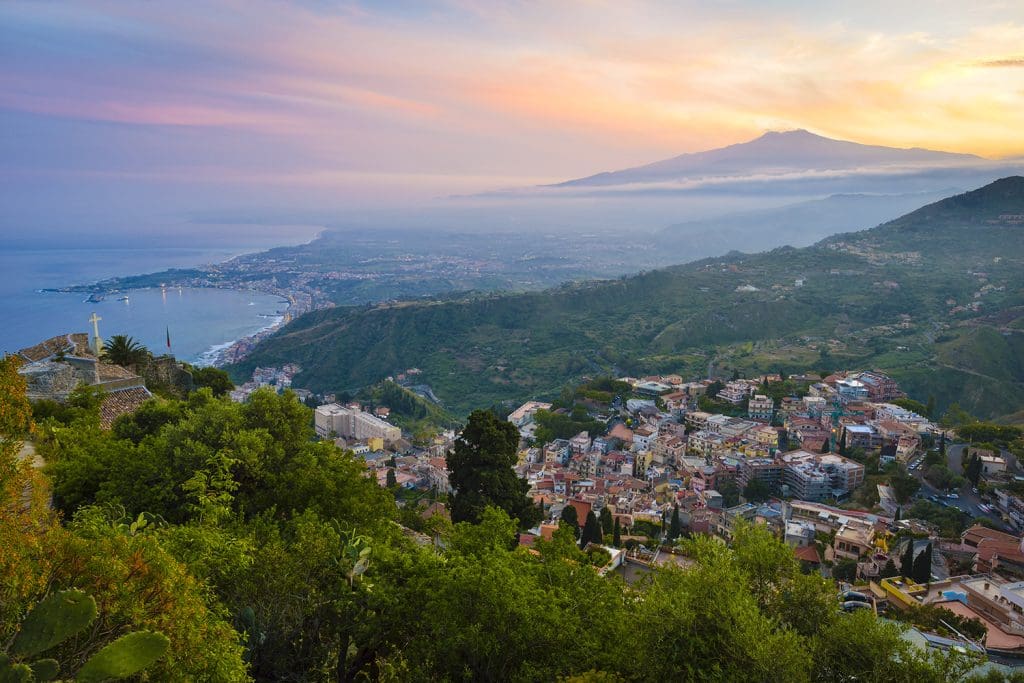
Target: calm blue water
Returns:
[[198, 319]]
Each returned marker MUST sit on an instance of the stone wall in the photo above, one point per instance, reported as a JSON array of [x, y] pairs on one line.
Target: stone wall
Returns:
[[165, 372], [50, 380]]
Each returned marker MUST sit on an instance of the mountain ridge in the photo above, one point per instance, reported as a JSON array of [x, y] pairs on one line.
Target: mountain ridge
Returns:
[[796, 150], [881, 297]]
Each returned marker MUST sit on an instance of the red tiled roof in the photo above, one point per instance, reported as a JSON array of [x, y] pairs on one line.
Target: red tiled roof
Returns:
[[582, 509], [989, 548], [979, 532], [807, 553], [121, 402]]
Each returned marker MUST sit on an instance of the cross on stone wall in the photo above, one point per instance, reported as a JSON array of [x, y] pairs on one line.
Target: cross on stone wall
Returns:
[[97, 341]]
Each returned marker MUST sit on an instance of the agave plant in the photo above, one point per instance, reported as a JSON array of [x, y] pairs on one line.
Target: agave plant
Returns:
[[58, 617], [124, 351]]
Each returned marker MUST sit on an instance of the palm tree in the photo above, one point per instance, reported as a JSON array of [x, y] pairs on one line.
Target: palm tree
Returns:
[[124, 351]]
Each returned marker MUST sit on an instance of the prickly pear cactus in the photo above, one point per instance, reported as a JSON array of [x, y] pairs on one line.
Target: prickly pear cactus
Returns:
[[58, 617], [125, 656]]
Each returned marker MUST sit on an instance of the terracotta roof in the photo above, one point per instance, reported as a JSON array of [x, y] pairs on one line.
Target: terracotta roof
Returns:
[[121, 402], [109, 371], [48, 347], [807, 553], [979, 532], [435, 509], [995, 637], [989, 548], [583, 509]]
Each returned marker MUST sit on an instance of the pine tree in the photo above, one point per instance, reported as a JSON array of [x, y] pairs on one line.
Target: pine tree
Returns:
[[907, 561], [674, 528], [617, 534], [480, 470], [923, 565], [591, 530]]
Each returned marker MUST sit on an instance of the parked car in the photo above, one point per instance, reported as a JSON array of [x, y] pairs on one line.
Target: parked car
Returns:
[[953, 496]]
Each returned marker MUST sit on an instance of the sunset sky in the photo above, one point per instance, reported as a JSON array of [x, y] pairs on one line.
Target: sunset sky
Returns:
[[197, 102]]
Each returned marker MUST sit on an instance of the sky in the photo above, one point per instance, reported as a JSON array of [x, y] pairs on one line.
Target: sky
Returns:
[[139, 113]]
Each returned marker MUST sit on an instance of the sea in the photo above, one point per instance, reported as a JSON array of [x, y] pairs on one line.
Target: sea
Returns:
[[199, 321]]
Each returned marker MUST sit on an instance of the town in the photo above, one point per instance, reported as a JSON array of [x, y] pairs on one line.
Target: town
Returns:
[[842, 468]]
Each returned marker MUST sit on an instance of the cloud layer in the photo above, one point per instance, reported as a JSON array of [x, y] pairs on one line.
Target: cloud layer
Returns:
[[380, 101]]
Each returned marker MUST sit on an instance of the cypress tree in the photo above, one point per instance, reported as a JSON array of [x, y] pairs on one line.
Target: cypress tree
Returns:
[[674, 528], [617, 534], [591, 530], [392, 481], [842, 444], [907, 561], [923, 565], [606, 520]]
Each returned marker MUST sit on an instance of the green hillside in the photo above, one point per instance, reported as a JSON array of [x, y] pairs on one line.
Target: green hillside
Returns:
[[926, 297], [409, 411]]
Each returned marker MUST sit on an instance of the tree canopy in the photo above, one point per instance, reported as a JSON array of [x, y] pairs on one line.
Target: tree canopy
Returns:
[[123, 350], [481, 475]]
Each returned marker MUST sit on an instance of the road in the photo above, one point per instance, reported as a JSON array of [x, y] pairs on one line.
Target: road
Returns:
[[968, 501]]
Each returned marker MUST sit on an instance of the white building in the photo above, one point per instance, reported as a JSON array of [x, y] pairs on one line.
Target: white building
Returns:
[[351, 423], [523, 415]]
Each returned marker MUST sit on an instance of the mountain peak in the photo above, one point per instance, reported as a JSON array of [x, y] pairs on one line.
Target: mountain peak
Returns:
[[792, 134], [774, 153]]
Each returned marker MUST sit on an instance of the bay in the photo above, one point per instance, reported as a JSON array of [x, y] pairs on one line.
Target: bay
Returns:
[[198, 320]]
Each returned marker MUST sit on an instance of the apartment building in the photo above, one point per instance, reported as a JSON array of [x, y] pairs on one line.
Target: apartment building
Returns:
[[351, 423], [760, 407]]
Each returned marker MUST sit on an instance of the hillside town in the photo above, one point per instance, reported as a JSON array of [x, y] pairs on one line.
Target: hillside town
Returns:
[[855, 477], [836, 468]]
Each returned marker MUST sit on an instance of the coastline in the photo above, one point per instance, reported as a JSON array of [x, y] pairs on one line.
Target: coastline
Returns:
[[227, 352], [236, 350]]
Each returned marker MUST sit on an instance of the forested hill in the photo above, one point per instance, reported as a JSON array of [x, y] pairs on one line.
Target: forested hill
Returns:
[[936, 297]]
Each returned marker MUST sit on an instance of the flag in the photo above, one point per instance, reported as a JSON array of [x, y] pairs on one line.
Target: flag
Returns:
[[168, 338]]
